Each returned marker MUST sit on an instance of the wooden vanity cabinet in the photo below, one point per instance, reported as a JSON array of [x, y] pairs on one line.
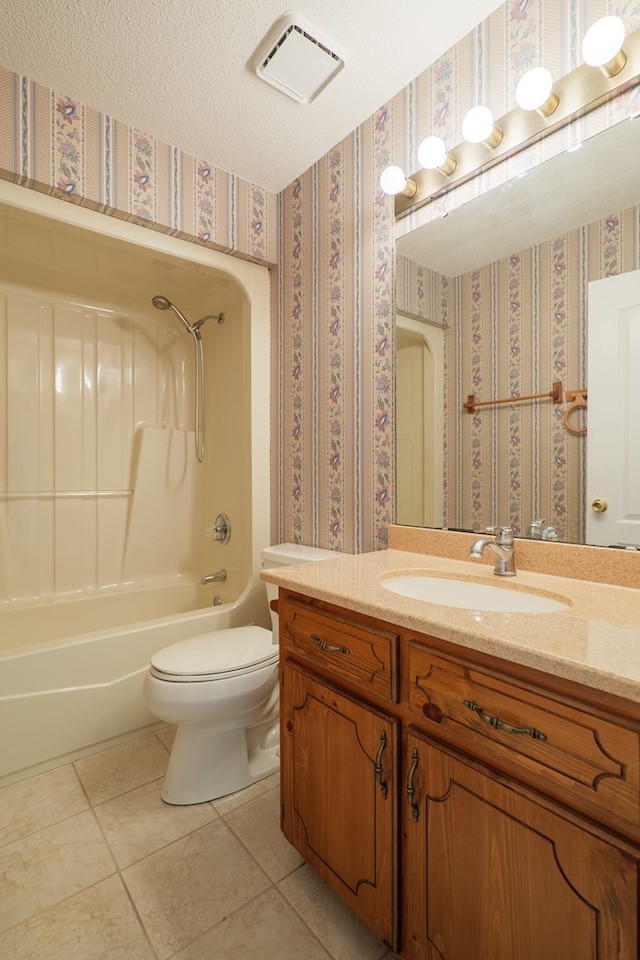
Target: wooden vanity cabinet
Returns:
[[495, 871], [339, 794], [465, 808], [339, 755]]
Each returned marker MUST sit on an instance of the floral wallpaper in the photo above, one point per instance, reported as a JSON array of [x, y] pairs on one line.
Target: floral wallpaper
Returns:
[[349, 437], [514, 327], [53, 143], [331, 236], [336, 348]]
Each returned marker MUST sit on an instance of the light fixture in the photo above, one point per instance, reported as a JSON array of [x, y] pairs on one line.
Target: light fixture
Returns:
[[602, 45], [432, 155], [393, 181], [544, 106], [478, 127], [534, 92]]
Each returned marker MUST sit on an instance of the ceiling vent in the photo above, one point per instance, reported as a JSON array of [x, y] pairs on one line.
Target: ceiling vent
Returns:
[[297, 58]]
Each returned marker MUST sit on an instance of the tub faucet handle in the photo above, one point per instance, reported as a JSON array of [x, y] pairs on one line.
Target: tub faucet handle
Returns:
[[220, 531]]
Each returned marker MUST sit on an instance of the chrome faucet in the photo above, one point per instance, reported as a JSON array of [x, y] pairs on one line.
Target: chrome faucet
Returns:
[[536, 531], [502, 547], [219, 575]]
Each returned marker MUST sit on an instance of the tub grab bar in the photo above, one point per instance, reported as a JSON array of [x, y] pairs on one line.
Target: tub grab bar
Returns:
[[61, 494]]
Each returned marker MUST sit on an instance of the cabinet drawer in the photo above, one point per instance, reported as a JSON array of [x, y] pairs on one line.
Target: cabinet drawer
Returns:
[[362, 656], [597, 760]]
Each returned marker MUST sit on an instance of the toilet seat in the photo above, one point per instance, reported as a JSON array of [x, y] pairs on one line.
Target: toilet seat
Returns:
[[216, 655]]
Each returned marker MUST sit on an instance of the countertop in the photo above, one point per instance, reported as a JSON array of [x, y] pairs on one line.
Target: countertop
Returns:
[[595, 641]]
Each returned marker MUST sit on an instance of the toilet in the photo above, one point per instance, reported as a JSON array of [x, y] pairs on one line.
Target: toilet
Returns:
[[221, 691]]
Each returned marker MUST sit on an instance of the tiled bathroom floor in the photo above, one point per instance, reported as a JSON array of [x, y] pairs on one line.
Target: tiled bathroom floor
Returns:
[[94, 865]]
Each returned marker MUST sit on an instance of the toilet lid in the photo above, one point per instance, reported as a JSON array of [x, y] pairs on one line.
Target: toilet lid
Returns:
[[218, 654]]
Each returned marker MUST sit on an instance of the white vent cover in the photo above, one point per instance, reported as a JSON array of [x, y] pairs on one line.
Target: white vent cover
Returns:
[[297, 58]]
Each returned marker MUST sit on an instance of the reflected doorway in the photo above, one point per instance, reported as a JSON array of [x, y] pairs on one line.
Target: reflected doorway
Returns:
[[419, 422]]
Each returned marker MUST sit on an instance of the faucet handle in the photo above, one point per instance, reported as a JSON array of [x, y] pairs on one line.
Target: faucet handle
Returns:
[[534, 529], [503, 535]]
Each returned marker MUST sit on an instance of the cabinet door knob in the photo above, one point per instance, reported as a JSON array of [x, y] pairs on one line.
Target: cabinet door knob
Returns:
[[415, 809], [599, 505], [499, 724]]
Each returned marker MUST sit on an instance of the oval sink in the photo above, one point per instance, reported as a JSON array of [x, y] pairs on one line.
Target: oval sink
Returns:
[[472, 595]]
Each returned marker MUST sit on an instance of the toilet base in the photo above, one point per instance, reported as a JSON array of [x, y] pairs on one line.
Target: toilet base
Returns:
[[203, 768]]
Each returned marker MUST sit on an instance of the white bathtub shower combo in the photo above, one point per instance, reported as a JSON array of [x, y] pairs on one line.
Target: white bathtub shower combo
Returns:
[[106, 511]]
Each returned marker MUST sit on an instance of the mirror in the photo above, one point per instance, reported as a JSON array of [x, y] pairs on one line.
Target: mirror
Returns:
[[506, 277]]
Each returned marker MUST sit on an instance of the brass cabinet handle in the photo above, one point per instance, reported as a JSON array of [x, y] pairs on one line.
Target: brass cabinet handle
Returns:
[[415, 809], [326, 646], [499, 724], [378, 765]]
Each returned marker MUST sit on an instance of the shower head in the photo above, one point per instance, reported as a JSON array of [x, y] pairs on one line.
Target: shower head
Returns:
[[163, 303], [160, 303]]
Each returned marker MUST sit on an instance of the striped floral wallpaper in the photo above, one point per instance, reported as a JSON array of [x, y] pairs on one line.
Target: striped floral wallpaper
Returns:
[[336, 479], [336, 348], [515, 327], [54, 143], [331, 235]]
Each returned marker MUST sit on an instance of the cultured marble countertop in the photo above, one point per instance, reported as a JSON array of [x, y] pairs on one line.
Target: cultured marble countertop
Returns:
[[595, 641]]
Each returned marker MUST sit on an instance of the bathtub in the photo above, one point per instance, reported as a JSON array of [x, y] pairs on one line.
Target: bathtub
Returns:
[[67, 689]]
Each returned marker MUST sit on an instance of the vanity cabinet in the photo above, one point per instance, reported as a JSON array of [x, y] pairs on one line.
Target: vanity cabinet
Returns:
[[466, 808], [495, 871], [339, 755], [339, 795]]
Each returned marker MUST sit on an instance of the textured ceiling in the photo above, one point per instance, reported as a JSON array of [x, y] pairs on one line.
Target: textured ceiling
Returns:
[[179, 69]]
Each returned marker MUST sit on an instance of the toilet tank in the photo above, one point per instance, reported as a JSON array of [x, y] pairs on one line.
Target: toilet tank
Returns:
[[287, 554]]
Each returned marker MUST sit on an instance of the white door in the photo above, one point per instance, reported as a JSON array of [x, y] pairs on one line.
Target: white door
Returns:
[[613, 437]]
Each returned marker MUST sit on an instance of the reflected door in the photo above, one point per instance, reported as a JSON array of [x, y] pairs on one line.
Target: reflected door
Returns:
[[419, 424], [613, 437]]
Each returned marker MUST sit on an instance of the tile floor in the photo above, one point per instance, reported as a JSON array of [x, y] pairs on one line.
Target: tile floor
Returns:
[[94, 865]]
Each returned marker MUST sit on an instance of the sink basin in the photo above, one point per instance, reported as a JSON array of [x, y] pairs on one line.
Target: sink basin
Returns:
[[472, 594]]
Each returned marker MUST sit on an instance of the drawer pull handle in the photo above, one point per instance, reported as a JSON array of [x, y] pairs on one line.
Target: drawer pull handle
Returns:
[[415, 809], [326, 646], [378, 765], [499, 724]]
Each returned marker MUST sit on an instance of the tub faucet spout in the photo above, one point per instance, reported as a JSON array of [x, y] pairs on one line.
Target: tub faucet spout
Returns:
[[218, 576], [502, 547]]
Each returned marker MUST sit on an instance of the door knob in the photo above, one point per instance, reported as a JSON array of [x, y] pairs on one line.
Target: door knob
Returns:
[[599, 505]]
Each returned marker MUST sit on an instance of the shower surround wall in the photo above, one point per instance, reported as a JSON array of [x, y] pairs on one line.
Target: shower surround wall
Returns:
[[99, 483], [80, 377], [331, 233]]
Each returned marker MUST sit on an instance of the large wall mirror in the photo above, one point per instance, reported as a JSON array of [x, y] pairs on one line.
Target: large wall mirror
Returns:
[[505, 280]]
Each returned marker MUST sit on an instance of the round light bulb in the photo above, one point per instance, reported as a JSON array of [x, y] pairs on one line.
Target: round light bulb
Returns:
[[477, 124], [393, 180], [534, 89], [432, 153], [603, 41]]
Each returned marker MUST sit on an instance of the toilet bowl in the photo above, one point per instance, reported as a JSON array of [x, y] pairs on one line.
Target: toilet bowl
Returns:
[[220, 689], [213, 687]]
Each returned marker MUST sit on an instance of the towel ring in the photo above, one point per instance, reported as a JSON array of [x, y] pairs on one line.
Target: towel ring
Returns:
[[577, 399]]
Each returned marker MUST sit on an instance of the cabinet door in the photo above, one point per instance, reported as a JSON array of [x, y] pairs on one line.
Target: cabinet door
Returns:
[[493, 873], [339, 794]]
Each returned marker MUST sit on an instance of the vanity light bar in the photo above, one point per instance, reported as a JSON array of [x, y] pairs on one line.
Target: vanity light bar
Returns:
[[578, 93]]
